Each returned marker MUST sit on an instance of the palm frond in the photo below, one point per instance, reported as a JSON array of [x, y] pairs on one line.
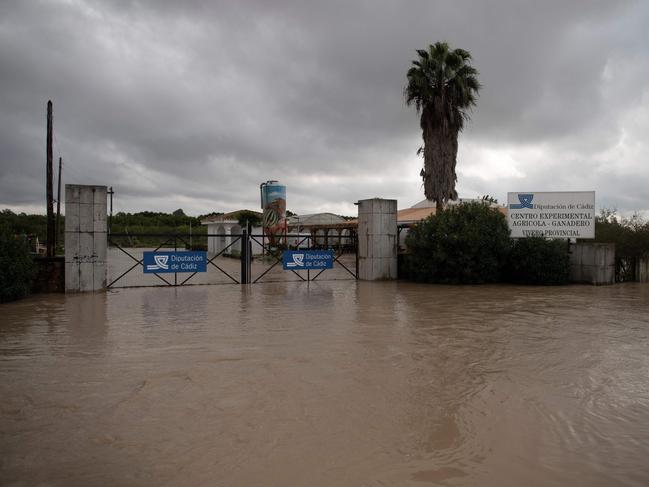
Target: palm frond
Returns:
[[465, 55]]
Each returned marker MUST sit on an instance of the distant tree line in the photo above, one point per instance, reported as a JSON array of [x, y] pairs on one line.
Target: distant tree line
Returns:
[[24, 224], [151, 222], [133, 225], [155, 219]]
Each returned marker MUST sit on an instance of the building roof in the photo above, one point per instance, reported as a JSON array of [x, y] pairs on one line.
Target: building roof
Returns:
[[315, 219], [233, 216], [419, 211], [414, 214]]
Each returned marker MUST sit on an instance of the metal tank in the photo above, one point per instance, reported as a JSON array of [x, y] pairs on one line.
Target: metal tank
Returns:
[[273, 204]]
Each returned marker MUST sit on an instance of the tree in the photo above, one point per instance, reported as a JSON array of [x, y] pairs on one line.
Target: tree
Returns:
[[443, 86], [179, 212], [247, 218]]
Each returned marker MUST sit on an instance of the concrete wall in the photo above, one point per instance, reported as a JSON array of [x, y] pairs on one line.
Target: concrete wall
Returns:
[[377, 239], [592, 263], [86, 238], [642, 270]]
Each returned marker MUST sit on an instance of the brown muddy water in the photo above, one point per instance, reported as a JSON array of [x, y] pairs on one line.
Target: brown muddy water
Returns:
[[332, 383]]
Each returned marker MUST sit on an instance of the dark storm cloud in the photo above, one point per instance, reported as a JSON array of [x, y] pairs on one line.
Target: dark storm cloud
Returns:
[[193, 104]]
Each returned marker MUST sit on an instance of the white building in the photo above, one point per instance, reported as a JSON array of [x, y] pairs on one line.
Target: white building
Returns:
[[224, 233], [305, 231], [316, 229]]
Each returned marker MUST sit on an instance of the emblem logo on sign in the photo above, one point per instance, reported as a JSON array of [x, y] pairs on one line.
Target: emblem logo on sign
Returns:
[[298, 261], [525, 202], [161, 263]]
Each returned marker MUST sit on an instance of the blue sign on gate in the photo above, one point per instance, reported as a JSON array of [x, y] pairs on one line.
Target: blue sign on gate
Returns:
[[295, 260], [174, 261]]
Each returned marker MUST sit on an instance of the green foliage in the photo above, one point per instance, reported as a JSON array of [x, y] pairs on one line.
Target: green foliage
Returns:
[[535, 260], [630, 235], [489, 199], [16, 266], [631, 239], [154, 219], [157, 223], [142, 222], [247, 217], [445, 74], [23, 224], [464, 244]]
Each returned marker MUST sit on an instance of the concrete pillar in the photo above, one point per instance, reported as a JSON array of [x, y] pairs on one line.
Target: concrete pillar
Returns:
[[642, 270], [377, 239], [592, 263], [86, 238]]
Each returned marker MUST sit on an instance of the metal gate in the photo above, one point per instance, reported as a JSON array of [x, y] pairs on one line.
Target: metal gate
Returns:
[[345, 257], [247, 259]]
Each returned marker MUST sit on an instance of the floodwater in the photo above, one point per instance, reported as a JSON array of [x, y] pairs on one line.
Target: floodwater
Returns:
[[332, 383]]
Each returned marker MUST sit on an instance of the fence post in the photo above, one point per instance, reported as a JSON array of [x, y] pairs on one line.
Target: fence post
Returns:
[[245, 259], [356, 244]]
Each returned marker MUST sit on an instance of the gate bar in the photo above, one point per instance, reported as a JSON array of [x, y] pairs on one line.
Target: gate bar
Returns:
[[278, 261], [138, 262]]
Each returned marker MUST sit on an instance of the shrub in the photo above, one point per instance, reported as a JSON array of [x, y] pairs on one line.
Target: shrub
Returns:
[[534, 260], [16, 267], [464, 244]]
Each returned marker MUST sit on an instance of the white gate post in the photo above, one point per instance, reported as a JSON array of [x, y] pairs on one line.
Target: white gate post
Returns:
[[377, 239], [86, 238]]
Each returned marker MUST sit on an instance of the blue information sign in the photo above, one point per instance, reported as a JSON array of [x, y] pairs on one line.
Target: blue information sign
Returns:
[[295, 260], [174, 261]]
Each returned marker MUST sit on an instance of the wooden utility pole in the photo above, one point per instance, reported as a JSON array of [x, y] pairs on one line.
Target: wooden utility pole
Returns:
[[50, 191], [58, 207]]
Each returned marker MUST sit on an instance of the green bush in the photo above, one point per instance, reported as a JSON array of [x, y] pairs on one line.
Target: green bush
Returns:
[[630, 235], [16, 267], [464, 244], [534, 260]]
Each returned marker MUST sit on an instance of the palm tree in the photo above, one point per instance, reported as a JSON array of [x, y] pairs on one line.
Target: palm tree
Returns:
[[443, 86]]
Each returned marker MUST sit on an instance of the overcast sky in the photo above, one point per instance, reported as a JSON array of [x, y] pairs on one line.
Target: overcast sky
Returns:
[[193, 104]]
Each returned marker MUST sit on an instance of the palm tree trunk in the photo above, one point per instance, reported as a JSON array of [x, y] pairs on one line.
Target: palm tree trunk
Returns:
[[440, 154]]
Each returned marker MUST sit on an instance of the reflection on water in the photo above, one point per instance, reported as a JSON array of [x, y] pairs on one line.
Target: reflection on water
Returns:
[[327, 383]]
